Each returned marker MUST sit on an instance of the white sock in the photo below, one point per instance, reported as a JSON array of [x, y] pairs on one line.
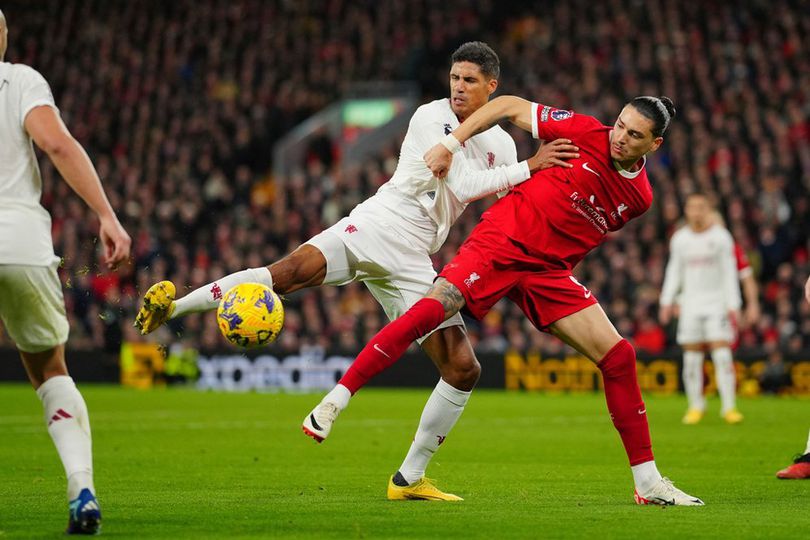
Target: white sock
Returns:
[[726, 380], [807, 450], [645, 476], [208, 296], [339, 395], [442, 410], [69, 427], [693, 379]]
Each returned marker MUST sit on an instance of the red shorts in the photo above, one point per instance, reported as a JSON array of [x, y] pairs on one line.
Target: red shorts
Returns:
[[490, 266]]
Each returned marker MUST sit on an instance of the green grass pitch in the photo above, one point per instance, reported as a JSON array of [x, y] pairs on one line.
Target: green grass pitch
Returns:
[[179, 463]]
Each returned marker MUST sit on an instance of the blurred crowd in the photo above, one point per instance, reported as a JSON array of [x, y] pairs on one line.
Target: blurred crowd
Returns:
[[179, 105]]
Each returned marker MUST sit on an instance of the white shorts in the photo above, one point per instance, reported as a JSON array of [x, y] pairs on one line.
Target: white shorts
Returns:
[[368, 249], [32, 307], [704, 328]]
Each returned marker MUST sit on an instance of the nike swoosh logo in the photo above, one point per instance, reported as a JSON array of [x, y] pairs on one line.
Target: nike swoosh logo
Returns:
[[3, 84], [379, 350], [585, 166], [665, 501], [314, 423], [642, 411], [588, 294]]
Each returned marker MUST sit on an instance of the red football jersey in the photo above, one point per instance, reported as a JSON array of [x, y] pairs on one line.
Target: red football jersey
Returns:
[[560, 214]]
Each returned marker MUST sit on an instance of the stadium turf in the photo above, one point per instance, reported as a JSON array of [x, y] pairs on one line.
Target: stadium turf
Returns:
[[179, 463]]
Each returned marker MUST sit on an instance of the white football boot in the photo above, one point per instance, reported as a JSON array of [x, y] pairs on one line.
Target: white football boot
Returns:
[[664, 493], [319, 422]]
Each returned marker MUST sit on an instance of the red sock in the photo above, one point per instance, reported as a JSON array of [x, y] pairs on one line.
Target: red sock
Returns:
[[392, 341], [623, 396]]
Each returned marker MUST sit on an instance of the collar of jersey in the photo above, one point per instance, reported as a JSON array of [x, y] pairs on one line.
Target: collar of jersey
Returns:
[[628, 174]]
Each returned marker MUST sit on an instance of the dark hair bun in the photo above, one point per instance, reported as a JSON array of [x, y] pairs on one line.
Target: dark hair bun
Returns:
[[669, 105]]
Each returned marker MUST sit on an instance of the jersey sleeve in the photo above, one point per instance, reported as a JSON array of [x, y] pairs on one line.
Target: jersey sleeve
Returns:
[[673, 276], [731, 280], [34, 92], [550, 123], [743, 265], [468, 184]]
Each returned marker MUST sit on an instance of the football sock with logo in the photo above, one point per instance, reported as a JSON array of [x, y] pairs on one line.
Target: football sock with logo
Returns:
[[624, 402], [69, 428], [726, 380], [693, 379], [392, 341], [440, 414], [208, 296]]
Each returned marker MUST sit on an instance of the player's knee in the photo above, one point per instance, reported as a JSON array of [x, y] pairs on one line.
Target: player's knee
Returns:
[[620, 359], [462, 372]]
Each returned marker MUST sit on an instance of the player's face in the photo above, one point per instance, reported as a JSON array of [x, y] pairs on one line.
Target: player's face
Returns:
[[469, 88], [632, 137], [698, 212]]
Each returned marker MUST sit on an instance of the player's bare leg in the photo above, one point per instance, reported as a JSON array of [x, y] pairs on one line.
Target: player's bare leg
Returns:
[[452, 353], [693, 354], [304, 267], [590, 332], [69, 427], [726, 380]]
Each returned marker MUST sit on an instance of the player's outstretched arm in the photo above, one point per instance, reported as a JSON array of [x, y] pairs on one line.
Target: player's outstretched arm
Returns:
[[48, 131], [515, 109]]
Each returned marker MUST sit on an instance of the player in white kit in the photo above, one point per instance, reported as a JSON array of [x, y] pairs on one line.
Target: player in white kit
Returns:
[[703, 268], [386, 242], [31, 304]]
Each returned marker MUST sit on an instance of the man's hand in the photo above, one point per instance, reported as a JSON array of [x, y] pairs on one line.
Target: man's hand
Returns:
[[438, 159], [665, 314], [752, 313], [553, 153], [116, 242]]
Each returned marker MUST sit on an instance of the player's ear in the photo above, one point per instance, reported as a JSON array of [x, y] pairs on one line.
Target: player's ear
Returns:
[[656, 143], [492, 85]]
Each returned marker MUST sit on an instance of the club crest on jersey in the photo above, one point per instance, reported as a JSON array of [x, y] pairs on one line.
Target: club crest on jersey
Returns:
[[558, 115], [472, 279], [490, 159]]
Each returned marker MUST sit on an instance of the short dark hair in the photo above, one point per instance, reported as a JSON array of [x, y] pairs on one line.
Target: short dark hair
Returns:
[[710, 198], [660, 110], [481, 54]]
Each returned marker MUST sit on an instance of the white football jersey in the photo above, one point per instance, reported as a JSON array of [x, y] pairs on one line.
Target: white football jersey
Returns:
[[703, 269], [25, 226], [427, 206]]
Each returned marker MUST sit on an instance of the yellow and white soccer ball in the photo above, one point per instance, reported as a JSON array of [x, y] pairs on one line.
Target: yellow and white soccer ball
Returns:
[[250, 315]]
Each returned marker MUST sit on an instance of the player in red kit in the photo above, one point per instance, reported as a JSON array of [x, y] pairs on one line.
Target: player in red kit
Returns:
[[525, 247]]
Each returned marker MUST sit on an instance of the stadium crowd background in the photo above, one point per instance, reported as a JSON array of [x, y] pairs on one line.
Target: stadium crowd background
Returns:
[[179, 104]]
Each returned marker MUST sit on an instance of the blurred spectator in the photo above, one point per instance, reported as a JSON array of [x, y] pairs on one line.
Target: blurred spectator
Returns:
[[775, 375]]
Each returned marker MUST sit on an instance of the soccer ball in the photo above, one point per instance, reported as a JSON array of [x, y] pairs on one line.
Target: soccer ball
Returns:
[[250, 314]]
